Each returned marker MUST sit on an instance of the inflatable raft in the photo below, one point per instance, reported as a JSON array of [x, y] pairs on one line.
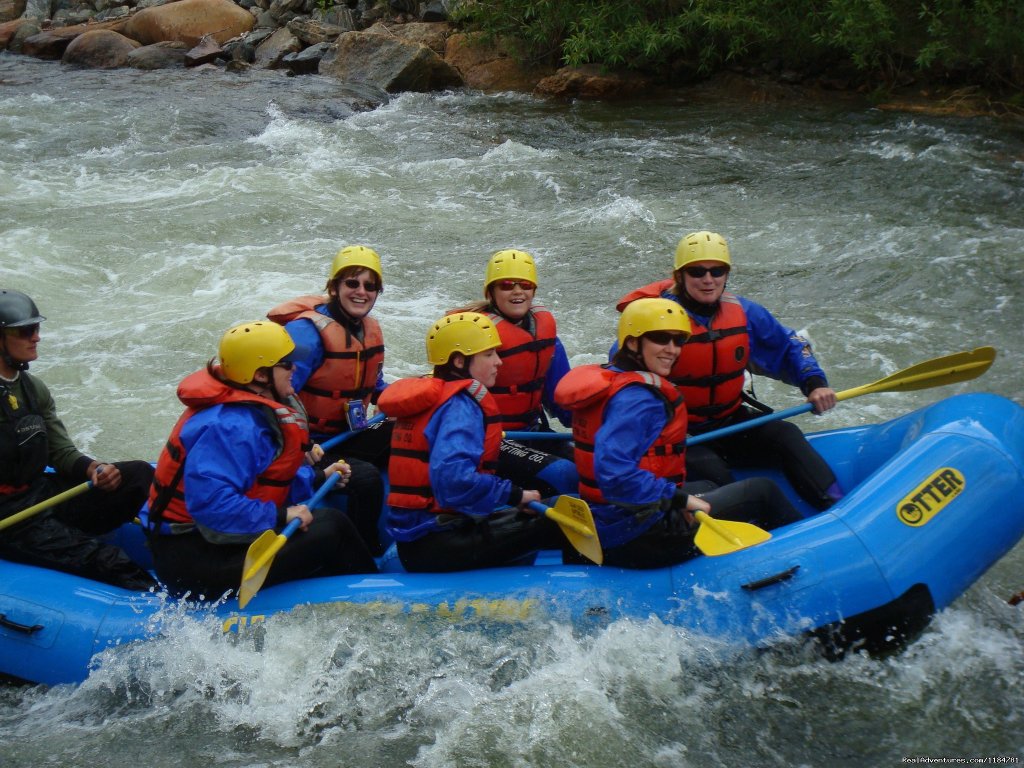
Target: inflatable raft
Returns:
[[934, 498]]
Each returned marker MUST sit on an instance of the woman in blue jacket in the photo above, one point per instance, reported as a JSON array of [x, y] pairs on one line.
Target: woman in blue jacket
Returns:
[[731, 335]]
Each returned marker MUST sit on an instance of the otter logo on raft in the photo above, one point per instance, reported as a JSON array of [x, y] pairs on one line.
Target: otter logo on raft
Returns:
[[929, 498]]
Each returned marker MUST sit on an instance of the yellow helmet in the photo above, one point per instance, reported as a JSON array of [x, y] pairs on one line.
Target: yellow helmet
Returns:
[[467, 332], [510, 264], [356, 256], [247, 347], [702, 246], [646, 315]]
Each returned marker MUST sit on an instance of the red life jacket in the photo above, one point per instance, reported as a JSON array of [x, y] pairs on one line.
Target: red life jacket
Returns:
[[525, 359], [709, 370], [413, 402], [350, 368], [202, 390], [587, 389]]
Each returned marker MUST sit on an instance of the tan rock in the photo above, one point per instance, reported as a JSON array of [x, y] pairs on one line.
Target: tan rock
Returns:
[[488, 69], [189, 21], [431, 34], [99, 49], [592, 82]]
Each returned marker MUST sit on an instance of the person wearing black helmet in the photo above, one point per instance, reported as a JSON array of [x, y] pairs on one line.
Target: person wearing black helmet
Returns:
[[32, 437]]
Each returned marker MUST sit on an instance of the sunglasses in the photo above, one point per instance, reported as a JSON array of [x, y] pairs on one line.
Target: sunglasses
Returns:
[[23, 331], [353, 285], [701, 271], [511, 285], [285, 364], [666, 337]]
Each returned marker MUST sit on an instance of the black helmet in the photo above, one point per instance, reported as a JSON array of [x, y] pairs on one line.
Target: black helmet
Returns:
[[17, 309]]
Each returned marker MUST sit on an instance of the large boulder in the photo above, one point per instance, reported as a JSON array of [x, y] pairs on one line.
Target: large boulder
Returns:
[[99, 49], [189, 21], [389, 63], [431, 35], [487, 68]]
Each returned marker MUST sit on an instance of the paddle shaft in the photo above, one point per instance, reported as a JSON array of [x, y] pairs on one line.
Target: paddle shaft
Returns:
[[42, 506], [949, 369], [340, 438], [559, 518]]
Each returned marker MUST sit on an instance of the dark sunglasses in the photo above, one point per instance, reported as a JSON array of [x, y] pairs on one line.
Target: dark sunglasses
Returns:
[[701, 271], [666, 337], [352, 284], [511, 285], [23, 331], [286, 364]]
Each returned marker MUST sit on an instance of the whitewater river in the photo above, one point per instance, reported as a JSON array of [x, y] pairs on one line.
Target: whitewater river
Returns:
[[147, 212]]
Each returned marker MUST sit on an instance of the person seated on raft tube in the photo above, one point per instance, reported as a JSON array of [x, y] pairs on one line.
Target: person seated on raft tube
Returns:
[[32, 436], [731, 334], [533, 362], [629, 427], [447, 510], [342, 373], [235, 466]]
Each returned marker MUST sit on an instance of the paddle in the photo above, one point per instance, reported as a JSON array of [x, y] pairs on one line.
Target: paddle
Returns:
[[260, 555], [340, 438], [949, 369], [42, 506], [577, 523], [720, 537], [261, 552]]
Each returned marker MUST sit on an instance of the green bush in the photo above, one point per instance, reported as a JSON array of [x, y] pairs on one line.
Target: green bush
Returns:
[[883, 39]]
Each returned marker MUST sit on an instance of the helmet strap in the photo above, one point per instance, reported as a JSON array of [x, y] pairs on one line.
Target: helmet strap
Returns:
[[9, 361]]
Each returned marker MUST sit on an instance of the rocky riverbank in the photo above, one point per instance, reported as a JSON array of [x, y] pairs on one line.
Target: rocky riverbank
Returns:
[[386, 46]]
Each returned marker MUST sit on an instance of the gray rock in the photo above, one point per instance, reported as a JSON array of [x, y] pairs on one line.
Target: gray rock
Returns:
[[165, 55], [305, 61], [391, 64], [270, 52]]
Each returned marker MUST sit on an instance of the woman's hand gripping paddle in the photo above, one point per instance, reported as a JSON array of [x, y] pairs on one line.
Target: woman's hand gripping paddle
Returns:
[[577, 523], [261, 552]]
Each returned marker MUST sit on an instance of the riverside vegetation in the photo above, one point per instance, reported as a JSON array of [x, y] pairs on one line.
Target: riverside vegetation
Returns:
[[962, 49], [931, 55]]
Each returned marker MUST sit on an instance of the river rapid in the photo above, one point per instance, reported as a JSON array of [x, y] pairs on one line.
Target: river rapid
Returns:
[[148, 211]]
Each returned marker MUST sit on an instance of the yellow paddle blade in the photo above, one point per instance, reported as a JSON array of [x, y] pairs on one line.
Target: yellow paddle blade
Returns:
[[720, 537], [577, 523], [949, 369], [258, 560]]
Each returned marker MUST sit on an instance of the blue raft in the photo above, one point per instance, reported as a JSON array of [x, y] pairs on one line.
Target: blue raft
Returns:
[[935, 498]]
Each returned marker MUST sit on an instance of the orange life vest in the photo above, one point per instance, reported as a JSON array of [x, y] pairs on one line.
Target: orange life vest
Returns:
[[709, 370], [350, 368], [587, 389], [525, 359], [413, 402], [202, 390]]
